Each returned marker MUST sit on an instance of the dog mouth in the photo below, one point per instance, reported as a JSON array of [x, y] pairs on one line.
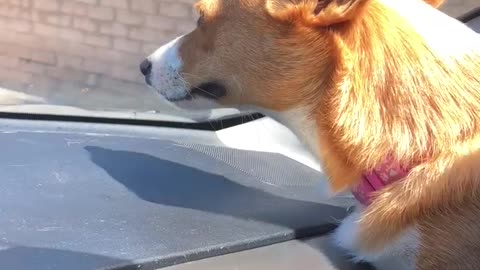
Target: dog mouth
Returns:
[[210, 90]]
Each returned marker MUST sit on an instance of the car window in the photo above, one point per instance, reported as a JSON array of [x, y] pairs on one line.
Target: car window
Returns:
[[56, 55]]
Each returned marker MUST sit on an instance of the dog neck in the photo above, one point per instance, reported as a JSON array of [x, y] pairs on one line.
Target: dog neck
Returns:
[[405, 86]]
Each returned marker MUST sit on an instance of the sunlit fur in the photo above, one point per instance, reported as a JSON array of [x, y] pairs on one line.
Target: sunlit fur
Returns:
[[421, 109], [376, 87]]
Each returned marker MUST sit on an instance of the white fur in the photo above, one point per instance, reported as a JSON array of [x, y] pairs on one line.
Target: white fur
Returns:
[[400, 253], [166, 67], [167, 80], [299, 121]]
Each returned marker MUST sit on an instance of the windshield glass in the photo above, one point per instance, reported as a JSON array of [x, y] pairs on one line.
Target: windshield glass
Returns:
[[81, 57]]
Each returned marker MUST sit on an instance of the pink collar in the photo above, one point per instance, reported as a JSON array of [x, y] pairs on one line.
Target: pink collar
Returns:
[[389, 172]]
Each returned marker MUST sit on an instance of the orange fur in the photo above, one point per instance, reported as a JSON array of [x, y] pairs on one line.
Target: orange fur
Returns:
[[442, 251], [435, 3], [428, 115], [375, 88], [411, 105]]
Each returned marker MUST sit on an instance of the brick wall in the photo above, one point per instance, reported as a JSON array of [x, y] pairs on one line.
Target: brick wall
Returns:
[[86, 52]]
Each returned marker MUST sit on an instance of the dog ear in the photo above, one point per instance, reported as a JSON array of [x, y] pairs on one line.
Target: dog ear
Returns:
[[316, 12], [434, 3]]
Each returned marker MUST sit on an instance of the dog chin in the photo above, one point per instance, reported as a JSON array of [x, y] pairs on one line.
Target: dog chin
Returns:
[[196, 104]]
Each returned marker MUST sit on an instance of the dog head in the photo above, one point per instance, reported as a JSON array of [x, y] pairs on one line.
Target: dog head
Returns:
[[249, 52], [272, 54]]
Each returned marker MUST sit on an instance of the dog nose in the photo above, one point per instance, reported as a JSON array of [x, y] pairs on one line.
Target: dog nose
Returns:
[[146, 67]]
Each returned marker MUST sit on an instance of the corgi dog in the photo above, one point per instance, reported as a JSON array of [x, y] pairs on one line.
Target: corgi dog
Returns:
[[385, 93]]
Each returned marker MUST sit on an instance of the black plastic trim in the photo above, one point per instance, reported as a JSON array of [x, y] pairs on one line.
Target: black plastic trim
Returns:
[[176, 259], [213, 125]]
